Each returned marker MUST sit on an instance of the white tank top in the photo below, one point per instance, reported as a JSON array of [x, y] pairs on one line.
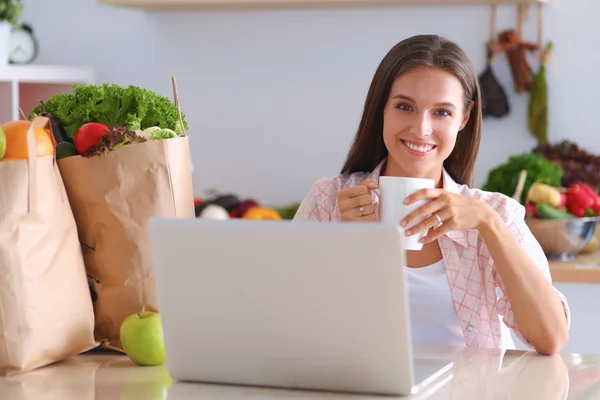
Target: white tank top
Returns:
[[432, 313]]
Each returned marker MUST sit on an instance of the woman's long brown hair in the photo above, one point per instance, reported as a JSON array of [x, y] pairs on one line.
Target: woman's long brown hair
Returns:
[[368, 148]]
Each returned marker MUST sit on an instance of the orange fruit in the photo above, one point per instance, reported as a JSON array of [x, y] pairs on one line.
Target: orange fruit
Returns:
[[262, 213], [16, 140]]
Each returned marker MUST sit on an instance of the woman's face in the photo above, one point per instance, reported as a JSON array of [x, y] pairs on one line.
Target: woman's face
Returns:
[[422, 117]]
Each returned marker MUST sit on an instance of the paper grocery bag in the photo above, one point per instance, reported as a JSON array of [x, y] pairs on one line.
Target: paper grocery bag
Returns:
[[46, 312], [113, 196]]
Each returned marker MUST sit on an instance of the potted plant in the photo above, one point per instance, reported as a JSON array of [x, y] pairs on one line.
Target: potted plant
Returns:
[[10, 14]]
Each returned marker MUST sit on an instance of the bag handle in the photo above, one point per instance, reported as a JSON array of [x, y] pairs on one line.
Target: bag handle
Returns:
[[59, 181], [38, 122], [176, 99]]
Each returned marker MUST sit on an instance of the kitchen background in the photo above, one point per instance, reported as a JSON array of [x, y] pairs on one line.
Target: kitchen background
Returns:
[[273, 97]]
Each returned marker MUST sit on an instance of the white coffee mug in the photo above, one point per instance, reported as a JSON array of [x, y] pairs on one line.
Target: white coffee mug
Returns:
[[392, 192]]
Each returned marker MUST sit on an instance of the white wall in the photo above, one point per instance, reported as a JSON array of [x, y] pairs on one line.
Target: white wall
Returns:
[[273, 97]]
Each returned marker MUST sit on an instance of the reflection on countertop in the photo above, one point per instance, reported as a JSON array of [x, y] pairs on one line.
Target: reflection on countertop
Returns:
[[477, 374]]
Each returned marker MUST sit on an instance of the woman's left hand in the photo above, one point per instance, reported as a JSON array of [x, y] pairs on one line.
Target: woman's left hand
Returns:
[[455, 212]]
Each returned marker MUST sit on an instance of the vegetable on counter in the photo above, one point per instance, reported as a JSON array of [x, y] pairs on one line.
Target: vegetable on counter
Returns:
[[580, 202], [262, 213], [242, 208], [546, 211], [289, 212], [579, 164], [214, 207], [213, 211], [593, 194], [542, 193], [504, 177], [577, 201], [530, 211], [228, 202]]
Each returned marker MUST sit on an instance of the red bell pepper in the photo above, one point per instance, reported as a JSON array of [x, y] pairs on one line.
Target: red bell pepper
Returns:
[[580, 201], [592, 192]]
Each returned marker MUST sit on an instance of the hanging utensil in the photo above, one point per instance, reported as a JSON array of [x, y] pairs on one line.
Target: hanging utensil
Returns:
[[516, 50], [538, 101], [495, 102]]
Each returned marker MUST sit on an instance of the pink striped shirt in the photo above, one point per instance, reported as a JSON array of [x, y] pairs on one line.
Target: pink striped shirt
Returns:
[[471, 272]]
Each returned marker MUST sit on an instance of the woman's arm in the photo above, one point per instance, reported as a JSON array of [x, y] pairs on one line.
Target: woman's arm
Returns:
[[537, 308]]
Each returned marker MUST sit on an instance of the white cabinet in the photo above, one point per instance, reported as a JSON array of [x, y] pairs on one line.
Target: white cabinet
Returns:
[[24, 86]]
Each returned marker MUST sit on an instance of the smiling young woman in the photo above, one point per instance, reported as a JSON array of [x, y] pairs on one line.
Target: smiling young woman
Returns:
[[422, 118]]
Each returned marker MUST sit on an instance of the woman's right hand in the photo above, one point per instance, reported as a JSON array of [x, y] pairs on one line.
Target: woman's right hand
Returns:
[[356, 204]]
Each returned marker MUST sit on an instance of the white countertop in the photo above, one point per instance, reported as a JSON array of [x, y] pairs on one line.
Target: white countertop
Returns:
[[477, 375]]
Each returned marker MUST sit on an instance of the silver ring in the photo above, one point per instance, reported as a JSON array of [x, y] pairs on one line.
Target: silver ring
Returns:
[[438, 218], [361, 211]]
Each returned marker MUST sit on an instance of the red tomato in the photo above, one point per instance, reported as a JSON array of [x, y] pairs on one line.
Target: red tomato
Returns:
[[88, 135]]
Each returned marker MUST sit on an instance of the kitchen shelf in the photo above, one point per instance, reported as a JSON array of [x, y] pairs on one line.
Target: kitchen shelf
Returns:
[[46, 74], [214, 4], [22, 86]]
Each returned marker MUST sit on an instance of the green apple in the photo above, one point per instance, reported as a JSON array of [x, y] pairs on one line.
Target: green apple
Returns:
[[2, 143], [141, 335], [150, 383]]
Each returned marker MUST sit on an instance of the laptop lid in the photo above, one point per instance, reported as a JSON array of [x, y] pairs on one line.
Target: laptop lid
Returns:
[[284, 304]]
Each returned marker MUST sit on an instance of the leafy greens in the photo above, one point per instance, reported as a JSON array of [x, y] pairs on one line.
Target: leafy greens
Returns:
[[504, 178], [115, 137], [131, 107]]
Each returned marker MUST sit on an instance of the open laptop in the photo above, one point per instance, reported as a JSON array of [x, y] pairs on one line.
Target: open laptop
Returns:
[[301, 305]]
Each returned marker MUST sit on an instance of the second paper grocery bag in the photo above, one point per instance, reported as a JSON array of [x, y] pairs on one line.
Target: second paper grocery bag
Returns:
[[113, 196]]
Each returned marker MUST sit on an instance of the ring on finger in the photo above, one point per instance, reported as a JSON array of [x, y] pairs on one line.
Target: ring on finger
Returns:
[[438, 219], [362, 211]]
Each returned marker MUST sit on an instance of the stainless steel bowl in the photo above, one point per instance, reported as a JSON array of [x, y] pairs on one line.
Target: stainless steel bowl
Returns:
[[563, 239]]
